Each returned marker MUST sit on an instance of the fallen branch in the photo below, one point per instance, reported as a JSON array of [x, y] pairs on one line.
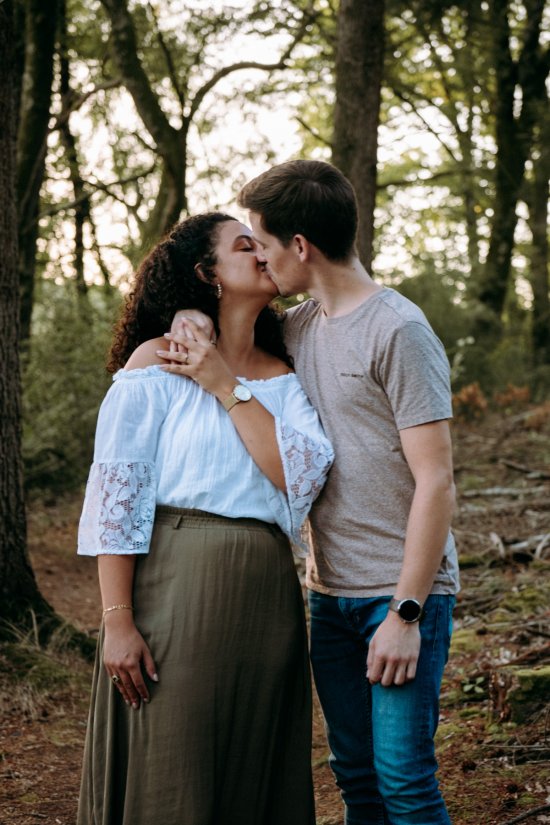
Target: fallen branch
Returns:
[[521, 468], [514, 492], [498, 544], [541, 546], [527, 815], [531, 657]]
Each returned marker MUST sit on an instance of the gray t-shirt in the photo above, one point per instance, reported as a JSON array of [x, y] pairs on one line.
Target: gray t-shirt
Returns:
[[371, 373]]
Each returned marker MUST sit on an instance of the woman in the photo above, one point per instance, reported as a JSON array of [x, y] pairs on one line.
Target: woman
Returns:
[[201, 703]]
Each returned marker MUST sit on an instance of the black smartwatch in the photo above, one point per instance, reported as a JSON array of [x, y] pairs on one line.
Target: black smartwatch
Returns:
[[408, 610]]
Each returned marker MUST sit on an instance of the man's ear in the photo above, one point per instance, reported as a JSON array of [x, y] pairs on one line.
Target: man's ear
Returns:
[[302, 247]]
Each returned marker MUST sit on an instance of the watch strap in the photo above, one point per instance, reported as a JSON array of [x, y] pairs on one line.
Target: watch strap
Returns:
[[240, 393], [230, 402]]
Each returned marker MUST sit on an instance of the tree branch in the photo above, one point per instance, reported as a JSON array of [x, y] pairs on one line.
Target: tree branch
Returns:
[[250, 64], [97, 187], [125, 56], [528, 814], [168, 57], [429, 128], [314, 133], [76, 101]]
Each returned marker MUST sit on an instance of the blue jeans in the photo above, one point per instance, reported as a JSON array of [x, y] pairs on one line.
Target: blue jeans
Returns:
[[381, 738]]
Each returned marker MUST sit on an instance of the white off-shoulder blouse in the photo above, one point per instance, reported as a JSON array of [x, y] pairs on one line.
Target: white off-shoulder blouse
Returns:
[[162, 439]]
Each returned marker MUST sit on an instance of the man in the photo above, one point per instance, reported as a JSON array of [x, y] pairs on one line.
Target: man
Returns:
[[383, 570]]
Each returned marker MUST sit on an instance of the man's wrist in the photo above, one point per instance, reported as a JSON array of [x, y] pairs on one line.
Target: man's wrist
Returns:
[[408, 609]]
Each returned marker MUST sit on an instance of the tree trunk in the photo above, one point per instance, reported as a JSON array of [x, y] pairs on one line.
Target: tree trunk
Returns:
[[538, 223], [40, 31], [82, 203], [18, 590], [514, 135], [170, 142], [359, 67], [22, 605]]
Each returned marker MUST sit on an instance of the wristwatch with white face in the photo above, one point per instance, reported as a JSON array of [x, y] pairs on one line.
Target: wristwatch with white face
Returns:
[[408, 610], [240, 393]]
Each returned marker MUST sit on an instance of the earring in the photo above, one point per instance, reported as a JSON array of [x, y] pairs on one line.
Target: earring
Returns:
[[219, 290]]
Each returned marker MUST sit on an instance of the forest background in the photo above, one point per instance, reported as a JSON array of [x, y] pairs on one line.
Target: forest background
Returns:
[[134, 114], [121, 116]]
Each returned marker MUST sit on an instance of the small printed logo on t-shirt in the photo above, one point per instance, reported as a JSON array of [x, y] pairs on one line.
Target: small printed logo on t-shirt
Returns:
[[351, 375]]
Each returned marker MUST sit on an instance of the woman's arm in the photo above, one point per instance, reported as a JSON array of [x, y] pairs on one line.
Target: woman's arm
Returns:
[[202, 362], [124, 650]]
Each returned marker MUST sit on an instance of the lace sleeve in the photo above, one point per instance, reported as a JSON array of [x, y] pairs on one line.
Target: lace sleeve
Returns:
[[306, 462], [119, 509]]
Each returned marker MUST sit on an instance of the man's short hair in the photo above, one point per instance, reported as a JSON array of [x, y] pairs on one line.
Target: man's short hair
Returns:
[[309, 198]]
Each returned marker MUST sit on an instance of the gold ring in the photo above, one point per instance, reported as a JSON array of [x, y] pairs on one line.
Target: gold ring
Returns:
[[115, 678], [186, 358]]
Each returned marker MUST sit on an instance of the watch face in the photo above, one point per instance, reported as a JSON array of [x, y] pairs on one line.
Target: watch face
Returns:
[[242, 393], [409, 610]]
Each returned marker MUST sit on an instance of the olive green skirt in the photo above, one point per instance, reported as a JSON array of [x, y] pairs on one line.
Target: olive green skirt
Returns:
[[226, 738]]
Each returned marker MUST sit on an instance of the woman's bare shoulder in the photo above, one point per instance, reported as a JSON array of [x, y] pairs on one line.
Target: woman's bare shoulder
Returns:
[[146, 354]]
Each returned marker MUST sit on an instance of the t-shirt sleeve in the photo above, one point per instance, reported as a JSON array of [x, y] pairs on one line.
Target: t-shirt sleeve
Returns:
[[415, 375], [119, 504], [293, 320]]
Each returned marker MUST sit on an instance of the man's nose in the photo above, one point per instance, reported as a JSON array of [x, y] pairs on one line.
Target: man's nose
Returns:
[[260, 256]]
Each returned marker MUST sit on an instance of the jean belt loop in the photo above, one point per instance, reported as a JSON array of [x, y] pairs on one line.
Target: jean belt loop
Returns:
[[176, 523]]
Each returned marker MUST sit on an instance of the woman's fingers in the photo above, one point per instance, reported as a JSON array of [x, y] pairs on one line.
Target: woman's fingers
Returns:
[[127, 658], [118, 682], [149, 665], [131, 684]]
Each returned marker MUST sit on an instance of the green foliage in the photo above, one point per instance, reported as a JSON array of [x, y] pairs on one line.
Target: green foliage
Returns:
[[439, 299], [63, 384]]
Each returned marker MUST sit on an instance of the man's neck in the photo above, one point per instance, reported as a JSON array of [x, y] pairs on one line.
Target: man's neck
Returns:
[[341, 288]]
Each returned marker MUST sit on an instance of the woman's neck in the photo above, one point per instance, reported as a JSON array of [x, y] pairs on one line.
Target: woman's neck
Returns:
[[236, 339]]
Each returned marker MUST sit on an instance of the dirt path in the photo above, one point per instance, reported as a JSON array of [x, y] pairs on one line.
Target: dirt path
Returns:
[[491, 771]]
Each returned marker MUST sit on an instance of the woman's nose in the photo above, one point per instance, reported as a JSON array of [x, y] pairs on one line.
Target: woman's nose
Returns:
[[260, 256]]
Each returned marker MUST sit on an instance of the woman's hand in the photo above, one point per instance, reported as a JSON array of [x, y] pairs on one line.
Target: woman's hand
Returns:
[[126, 655], [197, 358]]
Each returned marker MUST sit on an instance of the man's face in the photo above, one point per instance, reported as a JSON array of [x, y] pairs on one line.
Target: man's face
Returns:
[[284, 265]]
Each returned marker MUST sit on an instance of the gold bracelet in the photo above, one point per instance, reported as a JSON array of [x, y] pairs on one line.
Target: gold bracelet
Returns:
[[117, 607]]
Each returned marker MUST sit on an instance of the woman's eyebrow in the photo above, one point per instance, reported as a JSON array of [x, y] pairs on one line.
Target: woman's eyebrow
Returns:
[[248, 238]]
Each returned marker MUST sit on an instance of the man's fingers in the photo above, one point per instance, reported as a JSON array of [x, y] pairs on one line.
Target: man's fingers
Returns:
[[411, 670], [375, 668], [195, 331]]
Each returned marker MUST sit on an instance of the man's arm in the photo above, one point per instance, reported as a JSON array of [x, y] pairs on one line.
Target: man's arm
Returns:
[[394, 648]]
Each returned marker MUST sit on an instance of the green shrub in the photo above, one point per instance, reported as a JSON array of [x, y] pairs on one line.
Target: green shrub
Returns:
[[64, 381]]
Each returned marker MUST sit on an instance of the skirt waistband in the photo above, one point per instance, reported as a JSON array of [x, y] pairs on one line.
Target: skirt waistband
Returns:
[[187, 517]]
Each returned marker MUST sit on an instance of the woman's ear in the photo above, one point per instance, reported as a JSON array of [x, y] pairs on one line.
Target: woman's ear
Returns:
[[200, 273]]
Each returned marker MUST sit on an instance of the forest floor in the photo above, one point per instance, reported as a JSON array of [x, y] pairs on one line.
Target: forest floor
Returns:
[[494, 764]]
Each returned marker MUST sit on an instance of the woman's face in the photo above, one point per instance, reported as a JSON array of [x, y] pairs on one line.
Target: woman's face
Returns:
[[241, 265]]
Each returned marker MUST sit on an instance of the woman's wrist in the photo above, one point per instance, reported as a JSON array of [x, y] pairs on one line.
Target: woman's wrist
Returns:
[[113, 607]]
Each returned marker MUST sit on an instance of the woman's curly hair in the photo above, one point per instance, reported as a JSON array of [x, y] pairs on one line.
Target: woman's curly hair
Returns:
[[167, 281]]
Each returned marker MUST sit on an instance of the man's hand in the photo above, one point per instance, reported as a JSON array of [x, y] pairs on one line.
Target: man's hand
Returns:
[[393, 652], [204, 322]]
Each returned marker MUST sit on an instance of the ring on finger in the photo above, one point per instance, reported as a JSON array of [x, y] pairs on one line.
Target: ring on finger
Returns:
[[115, 678], [186, 358]]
